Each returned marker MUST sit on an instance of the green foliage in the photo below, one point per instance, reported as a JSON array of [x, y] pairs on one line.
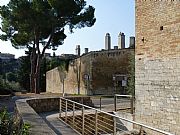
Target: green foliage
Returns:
[[24, 72], [13, 86], [1, 81], [63, 66], [7, 87], [9, 127], [5, 122], [32, 23], [11, 77], [25, 129], [8, 66], [56, 62], [24, 20], [8, 74], [46, 65]]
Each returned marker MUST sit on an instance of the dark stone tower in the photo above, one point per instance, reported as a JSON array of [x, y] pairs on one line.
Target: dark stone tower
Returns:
[[78, 50]]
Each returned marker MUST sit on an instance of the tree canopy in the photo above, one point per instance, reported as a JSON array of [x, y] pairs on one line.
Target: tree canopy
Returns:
[[28, 22], [35, 23]]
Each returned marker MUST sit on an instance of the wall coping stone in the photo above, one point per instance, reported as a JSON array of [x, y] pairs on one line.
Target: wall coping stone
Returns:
[[28, 115]]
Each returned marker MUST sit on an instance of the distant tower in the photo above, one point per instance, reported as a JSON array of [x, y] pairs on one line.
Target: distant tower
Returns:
[[115, 47], [54, 54], [78, 50], [121, 41], [132, 42], [107, 41], [86, 50]]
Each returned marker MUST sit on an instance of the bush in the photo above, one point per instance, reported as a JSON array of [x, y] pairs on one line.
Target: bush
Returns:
[[8, 125], [11, 77], [4, 91], [5, 122]]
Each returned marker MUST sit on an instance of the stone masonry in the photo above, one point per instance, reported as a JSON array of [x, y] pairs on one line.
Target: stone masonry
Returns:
[[157, 62], [91, 73]]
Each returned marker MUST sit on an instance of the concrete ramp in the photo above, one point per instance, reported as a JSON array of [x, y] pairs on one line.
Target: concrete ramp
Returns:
[[58, 126]]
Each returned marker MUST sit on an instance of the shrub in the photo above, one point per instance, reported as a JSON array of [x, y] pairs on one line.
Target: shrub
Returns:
[[9, 127]]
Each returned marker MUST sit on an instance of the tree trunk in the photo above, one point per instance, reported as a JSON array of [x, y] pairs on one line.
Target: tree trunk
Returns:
[[37, 74], [38, 57], [32, 75]]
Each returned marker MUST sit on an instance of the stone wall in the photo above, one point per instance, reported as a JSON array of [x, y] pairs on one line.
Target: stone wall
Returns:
[[157, 64], [91, 73], [44, 104], [53, 81], [105, 65], [73, 82], [24, 113]]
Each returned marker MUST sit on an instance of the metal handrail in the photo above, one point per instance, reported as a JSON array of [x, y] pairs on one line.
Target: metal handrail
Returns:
[[121, 118], [116, 101], [131, 102], [118, 95]]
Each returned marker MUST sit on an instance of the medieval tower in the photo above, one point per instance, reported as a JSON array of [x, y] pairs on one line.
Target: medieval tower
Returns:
[[121, 40], [157, 62], [132, 42], [78, 50], [107, 41]]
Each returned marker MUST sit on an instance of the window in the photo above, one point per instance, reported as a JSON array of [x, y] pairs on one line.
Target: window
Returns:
[[161, 28]]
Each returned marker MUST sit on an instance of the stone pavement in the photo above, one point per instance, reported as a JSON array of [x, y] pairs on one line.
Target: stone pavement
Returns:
[[59, 127]]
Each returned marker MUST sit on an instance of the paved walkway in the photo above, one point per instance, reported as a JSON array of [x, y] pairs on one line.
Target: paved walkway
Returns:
[[51, 118], [59, 127]]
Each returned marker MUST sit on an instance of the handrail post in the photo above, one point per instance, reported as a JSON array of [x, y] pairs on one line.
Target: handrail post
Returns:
[[115, 103], [60, 107], [82, 102], [114, 119], [73, 113], [96, 122], [82, 120], [132, 104], [100, 102], [66, 112]]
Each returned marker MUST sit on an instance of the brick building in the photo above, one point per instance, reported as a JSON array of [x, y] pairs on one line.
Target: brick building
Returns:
[[157, 64]]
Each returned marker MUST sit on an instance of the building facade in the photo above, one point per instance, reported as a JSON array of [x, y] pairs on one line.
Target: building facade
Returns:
[[157, 63], [6, 56], [92, 73]]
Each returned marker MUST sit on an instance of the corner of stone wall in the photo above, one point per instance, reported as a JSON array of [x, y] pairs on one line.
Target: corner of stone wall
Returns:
[[25, 114]]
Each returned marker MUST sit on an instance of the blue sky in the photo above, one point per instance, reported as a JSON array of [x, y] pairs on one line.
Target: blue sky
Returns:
[[113, 16]]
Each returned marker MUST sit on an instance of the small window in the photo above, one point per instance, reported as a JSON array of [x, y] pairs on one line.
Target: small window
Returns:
[[143, 39], [161, 28]]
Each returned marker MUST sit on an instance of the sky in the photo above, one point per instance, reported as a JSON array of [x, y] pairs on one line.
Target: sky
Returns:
[[112, 16]]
